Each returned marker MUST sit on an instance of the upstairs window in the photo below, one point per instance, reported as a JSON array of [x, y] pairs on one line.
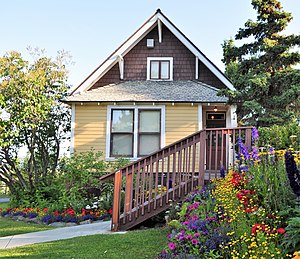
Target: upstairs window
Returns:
[[159, 68]]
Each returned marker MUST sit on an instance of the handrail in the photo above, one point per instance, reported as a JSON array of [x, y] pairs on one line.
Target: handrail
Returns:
[[111, 175], [145, 187]]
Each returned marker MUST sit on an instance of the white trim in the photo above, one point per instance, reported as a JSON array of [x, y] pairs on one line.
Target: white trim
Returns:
[[72, 129], [200, 117], [135, 135], [135, 38], [196, 68], [121, 67], [159, 30], [149, 59]]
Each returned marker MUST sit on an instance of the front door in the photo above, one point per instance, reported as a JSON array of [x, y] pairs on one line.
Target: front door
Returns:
[[216, 141]]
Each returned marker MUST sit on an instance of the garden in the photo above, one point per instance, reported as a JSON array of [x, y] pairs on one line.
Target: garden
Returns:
[[251, 212]]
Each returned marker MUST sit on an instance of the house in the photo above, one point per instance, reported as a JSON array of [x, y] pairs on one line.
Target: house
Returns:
[[155, 89], [155, 101]]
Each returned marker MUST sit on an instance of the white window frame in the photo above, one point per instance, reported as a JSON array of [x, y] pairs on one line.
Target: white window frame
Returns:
[[162, 109], [149, 59]]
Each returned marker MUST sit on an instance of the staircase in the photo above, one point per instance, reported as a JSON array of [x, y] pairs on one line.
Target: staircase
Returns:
[[147, 186]]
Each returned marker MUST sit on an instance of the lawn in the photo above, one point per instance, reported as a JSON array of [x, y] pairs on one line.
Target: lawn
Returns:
[[134, 244], [9, 227], [4, 205]]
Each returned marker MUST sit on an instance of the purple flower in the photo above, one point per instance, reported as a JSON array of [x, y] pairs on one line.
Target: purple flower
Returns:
[[222, 172], [271, 150], [255, 156], [172, 246], [254, 135], [292, 172], [243, 149], [194, 241], [188, 237]]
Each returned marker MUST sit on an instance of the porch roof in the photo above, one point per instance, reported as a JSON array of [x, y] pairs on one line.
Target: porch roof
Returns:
[[151, 91]]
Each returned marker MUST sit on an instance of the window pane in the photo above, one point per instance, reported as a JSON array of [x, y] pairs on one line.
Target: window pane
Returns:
[[148, 144], [122, 145], [122, 120], [164, 69], [154, 69], [149, 121]]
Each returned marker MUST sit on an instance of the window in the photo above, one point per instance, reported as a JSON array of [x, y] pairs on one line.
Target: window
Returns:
[[121, 133], [159, 68], [149, 131], [135, 131]]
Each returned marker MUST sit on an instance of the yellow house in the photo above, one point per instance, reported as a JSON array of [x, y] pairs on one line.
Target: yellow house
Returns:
[[155, 101], [155, 89]]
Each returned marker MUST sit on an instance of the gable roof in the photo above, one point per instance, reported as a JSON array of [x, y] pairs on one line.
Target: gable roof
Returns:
[[151, 91], [135, 38]]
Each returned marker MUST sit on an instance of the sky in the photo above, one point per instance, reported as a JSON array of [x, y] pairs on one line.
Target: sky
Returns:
[[91, 30]]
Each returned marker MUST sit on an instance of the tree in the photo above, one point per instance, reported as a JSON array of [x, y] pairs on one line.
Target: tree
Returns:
[[29, 96], [262, 68]]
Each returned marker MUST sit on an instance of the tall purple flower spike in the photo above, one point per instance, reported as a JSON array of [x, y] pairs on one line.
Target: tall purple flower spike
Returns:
[[255, 135], [292, 172]]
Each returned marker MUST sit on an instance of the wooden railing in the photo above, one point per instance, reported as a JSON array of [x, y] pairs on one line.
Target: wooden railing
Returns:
[[146, 187]]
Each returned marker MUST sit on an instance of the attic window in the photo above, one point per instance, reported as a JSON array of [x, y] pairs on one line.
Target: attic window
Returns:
[[159, 68]]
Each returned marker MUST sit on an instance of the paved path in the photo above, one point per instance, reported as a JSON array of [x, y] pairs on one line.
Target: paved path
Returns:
[[4, 199], [56, 234]]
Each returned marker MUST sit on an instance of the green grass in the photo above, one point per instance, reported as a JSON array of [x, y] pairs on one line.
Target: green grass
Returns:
[[4, 205], [132, 245], [10, 227]]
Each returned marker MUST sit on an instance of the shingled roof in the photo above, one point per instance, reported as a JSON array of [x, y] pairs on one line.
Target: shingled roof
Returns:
[[151, 91]]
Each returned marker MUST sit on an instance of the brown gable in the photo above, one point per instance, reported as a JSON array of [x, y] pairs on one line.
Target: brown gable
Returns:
[[208, 77], [135, 61]]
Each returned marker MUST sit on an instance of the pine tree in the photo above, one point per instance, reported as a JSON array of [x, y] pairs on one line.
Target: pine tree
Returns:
[[263, 68]]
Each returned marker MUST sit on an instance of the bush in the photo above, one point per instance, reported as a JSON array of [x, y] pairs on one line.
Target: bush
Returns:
[[279, 136], [75, 185]]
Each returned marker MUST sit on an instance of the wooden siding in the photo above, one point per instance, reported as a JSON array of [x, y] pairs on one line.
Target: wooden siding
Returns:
[[135, 61], [181, 121], [90, 128], [207, 77]]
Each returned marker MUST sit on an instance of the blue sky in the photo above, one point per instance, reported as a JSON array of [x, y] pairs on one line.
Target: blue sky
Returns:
[[91, 30]]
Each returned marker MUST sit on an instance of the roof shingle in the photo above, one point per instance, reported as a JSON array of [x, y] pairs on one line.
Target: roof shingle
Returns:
[[151, 91]]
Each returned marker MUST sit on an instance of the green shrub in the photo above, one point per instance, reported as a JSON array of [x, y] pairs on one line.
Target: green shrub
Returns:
[[279, 137]]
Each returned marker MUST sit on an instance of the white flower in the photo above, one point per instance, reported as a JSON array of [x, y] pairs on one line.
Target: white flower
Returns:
[[88, 207]]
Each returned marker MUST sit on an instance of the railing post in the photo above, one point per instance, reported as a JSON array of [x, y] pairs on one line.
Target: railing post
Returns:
[[202, 158], [248, 139], [128, 192], [117, 201]]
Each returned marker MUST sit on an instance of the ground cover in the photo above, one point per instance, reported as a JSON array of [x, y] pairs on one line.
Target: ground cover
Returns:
[[132, 245]]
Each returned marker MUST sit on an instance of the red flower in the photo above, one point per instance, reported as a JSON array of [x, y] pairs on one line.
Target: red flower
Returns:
[[70, 212], [45, 210], [257, 228], [110, 211], [281, 230], [56, 213]]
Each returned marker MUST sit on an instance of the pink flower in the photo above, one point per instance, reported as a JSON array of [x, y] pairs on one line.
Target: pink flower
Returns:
[[188, 237], [194, 241], [196, 234], [280, 230], [172, 246]]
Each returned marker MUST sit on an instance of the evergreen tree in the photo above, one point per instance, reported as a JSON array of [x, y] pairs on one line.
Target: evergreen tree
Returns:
[[263, 68]]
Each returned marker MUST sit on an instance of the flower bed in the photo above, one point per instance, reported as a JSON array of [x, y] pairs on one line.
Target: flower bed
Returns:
[[44, 216], [250, 213]]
